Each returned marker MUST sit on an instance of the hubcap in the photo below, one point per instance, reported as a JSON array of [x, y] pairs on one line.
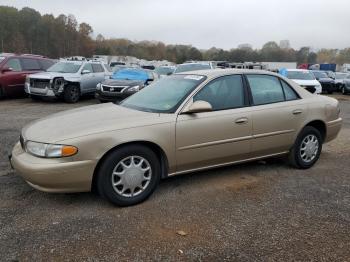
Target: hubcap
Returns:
[[309, 148], [131, 176]]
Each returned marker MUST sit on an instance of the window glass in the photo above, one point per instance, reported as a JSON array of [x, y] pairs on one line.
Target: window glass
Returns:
[[265, 89], [224, 93], [45, 64], [65, 67], [14, 64], [97, 68], [87, 67], [289, 92], [30, 64]]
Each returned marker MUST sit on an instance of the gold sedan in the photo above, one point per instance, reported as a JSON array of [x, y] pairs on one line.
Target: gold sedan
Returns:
[[180, 124]]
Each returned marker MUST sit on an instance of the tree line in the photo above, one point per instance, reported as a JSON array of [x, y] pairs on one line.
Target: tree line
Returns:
[[27, 31]]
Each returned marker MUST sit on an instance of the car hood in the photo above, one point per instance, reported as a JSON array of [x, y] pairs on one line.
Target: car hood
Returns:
[[306, 82], [86, 121], [326, 80], [51, 75], [121, 82]]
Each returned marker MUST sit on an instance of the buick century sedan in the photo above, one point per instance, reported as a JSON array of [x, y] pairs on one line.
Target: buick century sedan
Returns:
[[180, 124]]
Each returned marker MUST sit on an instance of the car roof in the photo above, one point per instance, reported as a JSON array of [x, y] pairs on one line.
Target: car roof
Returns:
[[298, 70], [211, 73]]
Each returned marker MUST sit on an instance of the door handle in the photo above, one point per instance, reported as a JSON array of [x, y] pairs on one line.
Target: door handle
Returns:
[[242, 120], [297, 112]]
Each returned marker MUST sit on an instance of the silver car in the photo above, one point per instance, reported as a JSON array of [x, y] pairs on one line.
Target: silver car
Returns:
[[67, 79]]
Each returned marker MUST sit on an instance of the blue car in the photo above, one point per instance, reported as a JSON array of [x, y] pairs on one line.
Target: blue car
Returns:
[[124, 83]]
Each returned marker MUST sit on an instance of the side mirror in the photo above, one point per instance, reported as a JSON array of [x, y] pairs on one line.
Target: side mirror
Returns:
[[198, 107], [84, 72], [6, 69]]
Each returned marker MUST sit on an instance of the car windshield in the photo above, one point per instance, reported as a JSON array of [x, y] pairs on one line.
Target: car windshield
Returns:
[[340, 75], [164, 70], [130, 74], [165, 95], [300, 75], [320, 74], [191, 67], [65, 67]]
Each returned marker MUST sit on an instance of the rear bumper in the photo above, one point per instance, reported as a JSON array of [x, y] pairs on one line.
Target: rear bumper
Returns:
[[333, 129], [53, 175]]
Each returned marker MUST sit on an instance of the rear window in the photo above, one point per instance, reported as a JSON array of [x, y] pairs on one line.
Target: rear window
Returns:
[[45, 64], [30, 64]]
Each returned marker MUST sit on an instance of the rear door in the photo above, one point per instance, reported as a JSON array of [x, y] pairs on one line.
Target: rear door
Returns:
[[277, 114], [218, 137], [99, 73]]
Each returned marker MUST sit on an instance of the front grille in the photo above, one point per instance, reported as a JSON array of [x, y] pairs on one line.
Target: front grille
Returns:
[[40, 83], [113, 89]]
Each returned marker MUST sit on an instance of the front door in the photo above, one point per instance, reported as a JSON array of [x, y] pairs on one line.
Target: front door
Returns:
[[220, 136]]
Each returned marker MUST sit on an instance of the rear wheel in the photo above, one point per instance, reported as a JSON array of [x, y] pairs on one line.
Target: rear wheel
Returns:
[[71, 94], [343, 90], [129, 175], [307, 148], [2, 95]]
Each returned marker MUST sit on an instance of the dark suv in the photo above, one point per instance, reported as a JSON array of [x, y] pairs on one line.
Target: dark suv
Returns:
[[14, 69]]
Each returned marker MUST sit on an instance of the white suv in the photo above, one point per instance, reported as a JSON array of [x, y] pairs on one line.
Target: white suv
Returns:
[[305, 79], [69, 79]]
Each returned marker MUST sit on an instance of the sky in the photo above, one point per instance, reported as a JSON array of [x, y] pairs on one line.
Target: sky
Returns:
[[207, 23]]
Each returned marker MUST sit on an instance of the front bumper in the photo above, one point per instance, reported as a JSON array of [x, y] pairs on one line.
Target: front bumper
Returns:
[[47, 92], [109, 96], [53, 175]]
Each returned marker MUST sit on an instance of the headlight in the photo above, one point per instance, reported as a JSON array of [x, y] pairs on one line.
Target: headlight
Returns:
[[27, 80], [134, 88], [49, 150], [98, 87]]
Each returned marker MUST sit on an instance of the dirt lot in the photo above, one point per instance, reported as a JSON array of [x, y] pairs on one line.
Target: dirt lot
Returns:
[[262, 211]]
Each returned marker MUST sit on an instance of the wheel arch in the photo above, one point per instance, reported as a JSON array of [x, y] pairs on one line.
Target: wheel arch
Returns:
[[320, 126], [153, 146]]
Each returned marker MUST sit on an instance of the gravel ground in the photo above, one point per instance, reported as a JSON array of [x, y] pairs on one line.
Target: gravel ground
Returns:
[[262, 211]]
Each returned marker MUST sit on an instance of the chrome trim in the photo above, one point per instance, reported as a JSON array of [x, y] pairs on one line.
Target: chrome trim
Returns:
[[121, 91], [226, 164], [274, 133], [214, 143]]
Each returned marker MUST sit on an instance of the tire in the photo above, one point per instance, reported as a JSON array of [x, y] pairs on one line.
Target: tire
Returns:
[[2, 95], [330, 92], [304, 159], [71, 94], [143, 182], [35, 98]]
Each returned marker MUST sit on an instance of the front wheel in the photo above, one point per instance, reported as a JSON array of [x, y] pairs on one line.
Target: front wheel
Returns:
[[71, 94], [307, 148], [129, 175], [343, 90]]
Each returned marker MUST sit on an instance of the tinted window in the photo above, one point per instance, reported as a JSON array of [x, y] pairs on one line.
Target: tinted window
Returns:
[[45, 64], [97, 68], [30, 64], [265, 89], [223, 93], [289, 92], [87, 67], [14, 64]]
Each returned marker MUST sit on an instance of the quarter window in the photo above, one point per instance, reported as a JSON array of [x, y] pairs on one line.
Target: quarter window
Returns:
[[265, 89], [14, 64], [223, 93]]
